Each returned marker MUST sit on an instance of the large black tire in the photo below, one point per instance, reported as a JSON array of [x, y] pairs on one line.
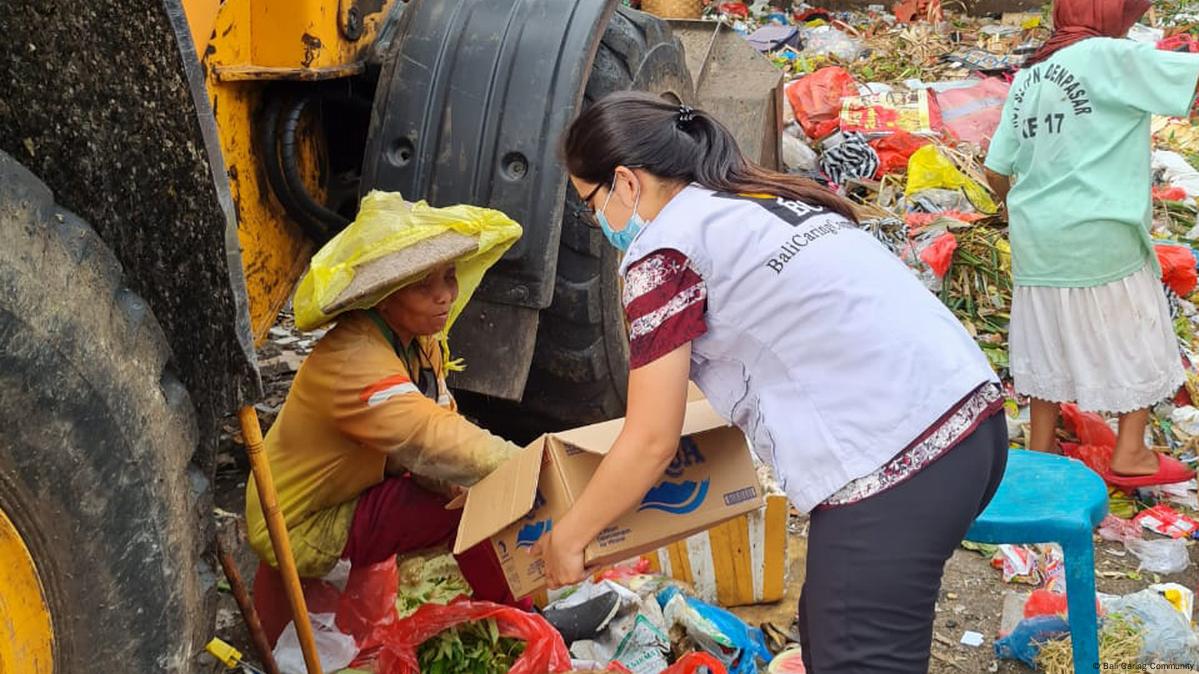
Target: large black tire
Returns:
[[96, 449], [579, 372]]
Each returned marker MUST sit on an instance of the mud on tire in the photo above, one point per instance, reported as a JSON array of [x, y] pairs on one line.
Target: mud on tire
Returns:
[[95, 457]]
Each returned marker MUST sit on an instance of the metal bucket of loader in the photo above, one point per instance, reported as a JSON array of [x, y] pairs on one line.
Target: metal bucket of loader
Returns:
[[737, 85]]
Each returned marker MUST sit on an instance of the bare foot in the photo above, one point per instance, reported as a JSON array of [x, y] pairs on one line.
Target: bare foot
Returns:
[[1138, 462]]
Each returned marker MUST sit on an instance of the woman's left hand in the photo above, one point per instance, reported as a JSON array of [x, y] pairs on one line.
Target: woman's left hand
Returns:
[[563, 560]]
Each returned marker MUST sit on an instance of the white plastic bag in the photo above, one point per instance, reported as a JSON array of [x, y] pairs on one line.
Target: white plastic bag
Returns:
[[1167, 635], [797, 156], [1178, 172], [826, 40], [336, 650], [1162, 555]]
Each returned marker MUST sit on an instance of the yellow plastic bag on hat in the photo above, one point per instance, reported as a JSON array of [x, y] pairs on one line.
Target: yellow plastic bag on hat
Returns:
[[929, 169], [386, 223]]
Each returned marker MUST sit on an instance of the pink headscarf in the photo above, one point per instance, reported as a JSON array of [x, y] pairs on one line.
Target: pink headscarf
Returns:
[[1076, 20]]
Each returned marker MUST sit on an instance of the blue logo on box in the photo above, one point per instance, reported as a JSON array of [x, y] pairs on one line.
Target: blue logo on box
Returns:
[[676, 498], [687, 455], [529, 533]]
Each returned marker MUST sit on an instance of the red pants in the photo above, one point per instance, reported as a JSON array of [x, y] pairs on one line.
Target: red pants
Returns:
[[393, 517]]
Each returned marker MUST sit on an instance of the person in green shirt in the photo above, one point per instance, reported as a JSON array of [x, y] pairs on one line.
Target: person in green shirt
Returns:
[[1090, 322]]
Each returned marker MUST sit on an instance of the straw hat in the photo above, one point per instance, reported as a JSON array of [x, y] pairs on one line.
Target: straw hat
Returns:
[[380, 277]]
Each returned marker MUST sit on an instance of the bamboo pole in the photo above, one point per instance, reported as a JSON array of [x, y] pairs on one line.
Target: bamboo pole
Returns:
[[251, 432], [248, 614]]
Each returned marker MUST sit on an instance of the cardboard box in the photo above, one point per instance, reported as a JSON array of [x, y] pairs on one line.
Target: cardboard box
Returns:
[[711, 479]]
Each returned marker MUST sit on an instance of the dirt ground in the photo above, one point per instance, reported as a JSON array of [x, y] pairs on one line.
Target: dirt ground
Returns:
[[972, 593]]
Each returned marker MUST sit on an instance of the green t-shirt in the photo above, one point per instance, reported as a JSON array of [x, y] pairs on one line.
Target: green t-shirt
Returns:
[[1075, 134]]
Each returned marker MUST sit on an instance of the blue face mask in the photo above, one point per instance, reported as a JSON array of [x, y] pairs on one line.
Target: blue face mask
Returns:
[[624, 238]]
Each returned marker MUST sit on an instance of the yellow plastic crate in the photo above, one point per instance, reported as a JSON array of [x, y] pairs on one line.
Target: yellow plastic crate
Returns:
[[742, 561]]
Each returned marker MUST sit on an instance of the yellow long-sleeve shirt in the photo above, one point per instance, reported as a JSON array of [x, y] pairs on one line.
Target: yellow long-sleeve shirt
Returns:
[[353, 405]]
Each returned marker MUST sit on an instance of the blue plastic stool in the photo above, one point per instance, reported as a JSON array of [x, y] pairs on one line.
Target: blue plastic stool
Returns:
[[1048, 498]]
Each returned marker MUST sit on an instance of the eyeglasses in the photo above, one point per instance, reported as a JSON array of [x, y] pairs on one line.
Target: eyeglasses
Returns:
[[587, 214]]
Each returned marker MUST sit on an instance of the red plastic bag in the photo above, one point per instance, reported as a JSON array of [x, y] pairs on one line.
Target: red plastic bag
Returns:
[[1096, 457], [939, 253], [972, 114], [1044, 602], [1169, 194], [1178, 268], [917, 221], [367, 600], [696, 663], [816, 99], [737, 9], [1181, 42], [544, 651], [1090, 428], [895, 150]]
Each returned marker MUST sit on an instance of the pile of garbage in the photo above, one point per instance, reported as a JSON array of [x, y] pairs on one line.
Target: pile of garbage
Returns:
[[417, 616]]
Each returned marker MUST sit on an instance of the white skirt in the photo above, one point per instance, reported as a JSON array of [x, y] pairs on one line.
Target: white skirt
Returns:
[[1109, 348]]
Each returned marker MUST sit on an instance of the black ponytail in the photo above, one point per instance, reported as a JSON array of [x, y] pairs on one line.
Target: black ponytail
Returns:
[[676, 143]]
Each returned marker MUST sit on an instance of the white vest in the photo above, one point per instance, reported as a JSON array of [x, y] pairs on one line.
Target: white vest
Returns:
[[821, 345]]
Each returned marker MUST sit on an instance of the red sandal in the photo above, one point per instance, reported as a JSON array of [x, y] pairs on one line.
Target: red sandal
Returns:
[[1169, 471]]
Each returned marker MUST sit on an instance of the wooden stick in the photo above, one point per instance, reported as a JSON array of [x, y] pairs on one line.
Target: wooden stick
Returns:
[[248, 614], [252, 434]]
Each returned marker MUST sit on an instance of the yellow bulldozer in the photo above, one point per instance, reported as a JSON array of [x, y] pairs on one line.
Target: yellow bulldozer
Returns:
[[167, 167]]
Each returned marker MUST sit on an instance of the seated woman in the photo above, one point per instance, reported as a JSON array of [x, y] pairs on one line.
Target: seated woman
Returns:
[[368, 447]]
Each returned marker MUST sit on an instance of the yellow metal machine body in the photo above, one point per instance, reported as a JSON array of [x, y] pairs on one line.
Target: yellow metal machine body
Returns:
[[248, 48]]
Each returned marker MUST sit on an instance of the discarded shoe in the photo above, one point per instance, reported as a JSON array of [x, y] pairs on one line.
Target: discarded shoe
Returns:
[[585, 620]]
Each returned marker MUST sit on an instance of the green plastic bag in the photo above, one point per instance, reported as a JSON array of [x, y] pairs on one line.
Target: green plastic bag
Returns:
[[929, 169]]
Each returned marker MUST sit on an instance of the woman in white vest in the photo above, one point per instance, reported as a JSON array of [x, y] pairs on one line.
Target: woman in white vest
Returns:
[[879, 414]]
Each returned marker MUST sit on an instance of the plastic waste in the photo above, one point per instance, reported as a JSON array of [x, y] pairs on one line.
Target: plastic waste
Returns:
[[1179, 596], [829, 41], [1185, 419], [1167, 635], [1176, 171], [789, 661], [336, 650], [697, 663], [816, 99], [1160, 555], [1178, 268], [913, 255], [939, 254], [771, 37], [972, 114], [1018, 563], [1119, 530], [929, 169], [798, 156], [894, 151], [936, 200], [1090, 428], [1164, 520], [882, 114], [1025, 641], [1145, 35], [386, 223], [398, 642], [715, 630], [1051, 562]]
